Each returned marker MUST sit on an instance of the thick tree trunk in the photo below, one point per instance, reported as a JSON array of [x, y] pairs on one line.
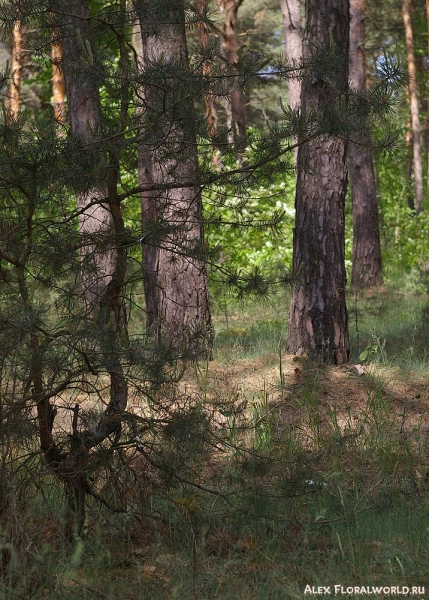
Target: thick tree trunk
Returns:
[[292, 29], [175, 273], [231, 48], [366, 270], [318, 322], [414, 106], [15, 88], [83, 98]]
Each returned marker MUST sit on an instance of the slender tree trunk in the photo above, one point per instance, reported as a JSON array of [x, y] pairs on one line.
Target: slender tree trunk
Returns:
[[366, 270], [414, 106], [175, 273], [292, 29], [58, 85], [209, 100], [103, 251], [140, 33], [15, 90], [231, 48], [318, 321], [427, 99], [409, 169]]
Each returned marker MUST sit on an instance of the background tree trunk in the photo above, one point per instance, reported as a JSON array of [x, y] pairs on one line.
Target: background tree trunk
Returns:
[[15, 88], [231, 48], [318, 321], [414, 106], [58, 85], [209, 101], [103, 251], [147, 198], [83, 98], [292, 29], [366, 270], [178, 280]]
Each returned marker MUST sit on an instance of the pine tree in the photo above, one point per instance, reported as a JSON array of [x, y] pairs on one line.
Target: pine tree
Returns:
[[366, 266], [318, 320], [414, 106], [175, 275]]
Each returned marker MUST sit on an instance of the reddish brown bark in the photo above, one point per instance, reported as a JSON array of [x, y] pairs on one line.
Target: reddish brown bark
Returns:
[[318, 321], [366, 267], [58, 84], [15, 89]]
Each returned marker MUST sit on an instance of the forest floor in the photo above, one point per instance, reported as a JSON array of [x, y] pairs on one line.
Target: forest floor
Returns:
[[322, 478]]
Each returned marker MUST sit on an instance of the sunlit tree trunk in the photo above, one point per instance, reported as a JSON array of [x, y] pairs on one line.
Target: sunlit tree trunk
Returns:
[[414, 106], [318, 321], [292, 29], [231, 48], [15, 88], [366, 269], [58, 85], [178, 279]]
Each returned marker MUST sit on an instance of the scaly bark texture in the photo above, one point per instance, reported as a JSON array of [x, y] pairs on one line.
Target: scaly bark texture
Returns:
[[292, 29], [15, 88], [98, 262], [318, 321], [231, 47], [178, 303], [414, 106], [366, 269]]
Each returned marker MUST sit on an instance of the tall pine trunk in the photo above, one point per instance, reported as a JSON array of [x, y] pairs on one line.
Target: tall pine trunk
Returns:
[[83, 99], [15, 88], [103, 253], [58, 85], [414, 106], [209, 100], [231, 49], [318, 321], [366, 269], [176, 286], [292, 29]]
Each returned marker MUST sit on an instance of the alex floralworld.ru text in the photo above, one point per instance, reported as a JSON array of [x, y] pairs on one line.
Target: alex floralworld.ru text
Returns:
[[364, 590]]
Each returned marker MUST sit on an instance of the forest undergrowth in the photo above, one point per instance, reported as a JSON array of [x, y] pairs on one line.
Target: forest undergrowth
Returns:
[[312, 475]]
